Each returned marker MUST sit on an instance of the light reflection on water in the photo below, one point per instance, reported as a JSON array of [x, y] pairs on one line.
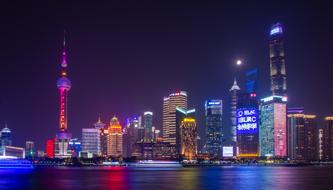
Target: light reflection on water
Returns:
[[169, 178]]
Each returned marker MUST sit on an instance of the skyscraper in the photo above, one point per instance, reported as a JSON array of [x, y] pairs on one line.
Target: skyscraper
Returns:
[[91, 141], [247, 125], [277, 61], [5, 137], [64, 85], [114, 138], [326, 140], [148, 125], [170, 103], [188, 138], [273, 126], [214, 130], [302, 136], [181, 114], [234, 90]]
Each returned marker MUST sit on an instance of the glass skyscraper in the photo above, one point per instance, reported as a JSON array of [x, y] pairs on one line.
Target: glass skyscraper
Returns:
[[277, 61], [170, 103], [213, 126], [272, 126]]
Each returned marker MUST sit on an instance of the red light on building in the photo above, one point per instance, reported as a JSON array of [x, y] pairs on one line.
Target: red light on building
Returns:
[[50, 148]]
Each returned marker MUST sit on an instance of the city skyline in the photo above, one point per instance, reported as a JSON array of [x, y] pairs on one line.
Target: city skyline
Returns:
[[99, 90]]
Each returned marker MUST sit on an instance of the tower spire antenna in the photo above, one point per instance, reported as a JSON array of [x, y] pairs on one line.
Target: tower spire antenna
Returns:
[[63, 57]]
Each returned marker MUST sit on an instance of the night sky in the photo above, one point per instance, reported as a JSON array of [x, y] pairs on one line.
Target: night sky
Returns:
[[123, 58]]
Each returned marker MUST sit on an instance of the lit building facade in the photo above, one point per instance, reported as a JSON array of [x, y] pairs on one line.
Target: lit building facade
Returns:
[[63, 137], [213, 126], [170, 103], [50, 148], [188, 138], [302, 136], [277, 61], [234, 90], [30, 151], [273, 126], [183, 130], [148, 125], [91, 141], [114, 139], [5, 137], [326, 140], [75, 147], [247, 125]]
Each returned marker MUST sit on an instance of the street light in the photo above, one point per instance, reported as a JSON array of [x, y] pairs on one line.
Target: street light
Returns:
[[239, 62]]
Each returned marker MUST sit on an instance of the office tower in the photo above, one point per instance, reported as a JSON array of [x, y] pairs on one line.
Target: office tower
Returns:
[[156, 135], [30, 151], [99, 124], [188, 138], [64, 85], [75, 147], [214, 130], [326, 140], [234, 90], [273, 126], [148, 125], [302, 136], [181, 114], [170, 103], [277, 61], [251, 80], [91, 141], [247, 126], [5, 137], [114, 138], [50, 148]]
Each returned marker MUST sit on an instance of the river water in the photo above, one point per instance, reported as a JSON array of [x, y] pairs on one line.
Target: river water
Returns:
[[233, 177]]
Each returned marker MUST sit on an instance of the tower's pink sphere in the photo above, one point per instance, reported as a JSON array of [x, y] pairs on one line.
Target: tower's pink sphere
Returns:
[[64, 83]]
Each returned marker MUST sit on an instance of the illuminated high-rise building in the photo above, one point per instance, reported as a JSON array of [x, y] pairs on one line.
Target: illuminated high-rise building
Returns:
[[91, 141], [114, 138], [213, 126], [234, 90], [75, 147], [170, 103], [188, 138], [63, 137], [148, 125], [326, 140], [181, 114], [277, 61], [5, 137], [50, 148], [273, 126], [247, 126], [302, 136]]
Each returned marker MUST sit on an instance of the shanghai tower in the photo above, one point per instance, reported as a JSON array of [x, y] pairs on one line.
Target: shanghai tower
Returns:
[[277, 61]]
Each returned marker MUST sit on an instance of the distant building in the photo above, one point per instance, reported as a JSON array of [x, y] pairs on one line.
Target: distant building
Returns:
[[148, 125], [5, 137], [234, 90], [50, 148], [277, 61], [133, 132], [91, 141], [273, 126], [75, 147], [213, 126], [30, 151], [185, 131], [170, 103], [326, 140], [154, 151], [13, 151], [114, 139], [247, 125], [302, 136], [40, 154], [188, 138]]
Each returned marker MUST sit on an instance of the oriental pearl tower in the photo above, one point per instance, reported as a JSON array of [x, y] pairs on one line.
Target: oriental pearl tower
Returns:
[[63, 137]]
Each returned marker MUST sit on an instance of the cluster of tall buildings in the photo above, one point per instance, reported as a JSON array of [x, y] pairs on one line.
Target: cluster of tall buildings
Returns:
[[259, 127]]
